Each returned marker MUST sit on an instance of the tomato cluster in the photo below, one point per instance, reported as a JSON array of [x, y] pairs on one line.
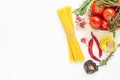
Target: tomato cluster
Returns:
[[101, 16]]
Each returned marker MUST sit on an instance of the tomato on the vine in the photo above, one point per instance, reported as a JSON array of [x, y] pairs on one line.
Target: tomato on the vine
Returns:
[[97, 8], [108, 13], [105, 25], [95, 22]]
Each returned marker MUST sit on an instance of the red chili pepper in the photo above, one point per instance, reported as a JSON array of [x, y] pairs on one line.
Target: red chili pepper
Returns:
[[98, 44], [90, 45]]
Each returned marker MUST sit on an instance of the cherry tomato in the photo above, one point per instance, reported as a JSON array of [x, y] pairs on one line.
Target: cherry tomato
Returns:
[[105, 25], [97, 8], [108, 13], [95, 22]]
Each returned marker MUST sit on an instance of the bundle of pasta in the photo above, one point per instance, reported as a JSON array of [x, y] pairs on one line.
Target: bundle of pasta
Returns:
[[75, 52]]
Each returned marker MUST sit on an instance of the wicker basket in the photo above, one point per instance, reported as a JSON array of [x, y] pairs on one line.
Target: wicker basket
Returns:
[[87, 19]]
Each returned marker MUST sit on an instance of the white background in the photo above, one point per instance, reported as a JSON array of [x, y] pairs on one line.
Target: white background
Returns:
[[33, 45]]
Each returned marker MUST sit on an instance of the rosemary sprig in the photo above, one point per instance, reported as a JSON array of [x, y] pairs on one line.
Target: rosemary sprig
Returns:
[[104, 62], [82, 9], [114, 23], [110, 3]]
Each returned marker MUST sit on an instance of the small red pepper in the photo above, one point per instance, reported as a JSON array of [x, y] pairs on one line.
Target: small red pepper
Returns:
[[90, 45], [98, 45]]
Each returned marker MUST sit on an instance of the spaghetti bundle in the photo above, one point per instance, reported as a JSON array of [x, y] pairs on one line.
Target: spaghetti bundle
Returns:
[[75, 52]]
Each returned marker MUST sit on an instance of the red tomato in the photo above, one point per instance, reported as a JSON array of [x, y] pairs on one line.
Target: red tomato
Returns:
[[105, 25], [95, 21], [97, 8], [108, 13]]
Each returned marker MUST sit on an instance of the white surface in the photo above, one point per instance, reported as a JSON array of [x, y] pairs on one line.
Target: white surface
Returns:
[[33, 45]]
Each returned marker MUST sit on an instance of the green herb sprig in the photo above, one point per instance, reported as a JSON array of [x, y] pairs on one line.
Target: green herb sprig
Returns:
[[110, 3], [114, 23], [104, 62], [82, 9]]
